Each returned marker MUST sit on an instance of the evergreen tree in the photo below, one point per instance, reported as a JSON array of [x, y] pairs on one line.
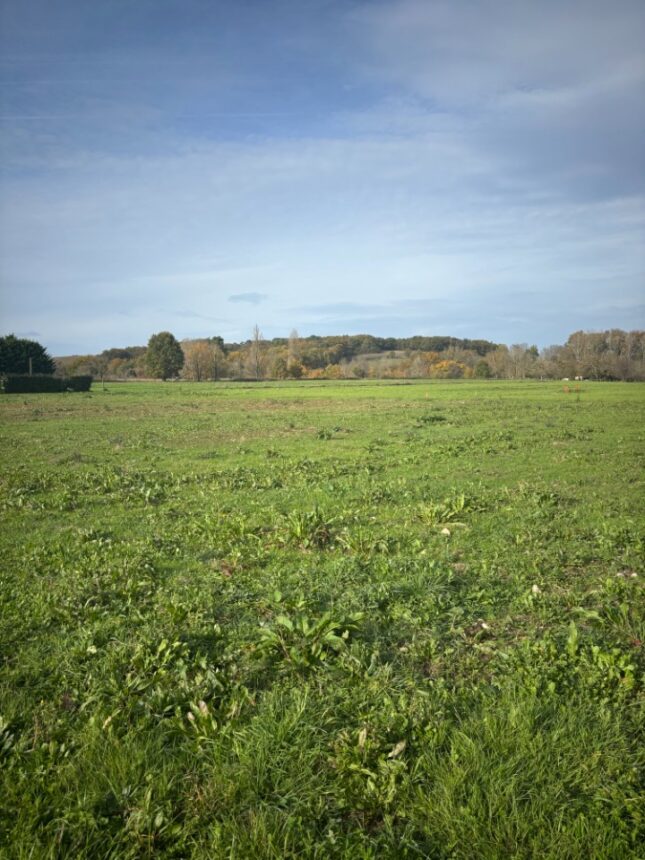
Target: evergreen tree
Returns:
[[15, 354]]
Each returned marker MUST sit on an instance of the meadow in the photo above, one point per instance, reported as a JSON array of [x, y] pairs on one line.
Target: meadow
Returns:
[[323, 620]]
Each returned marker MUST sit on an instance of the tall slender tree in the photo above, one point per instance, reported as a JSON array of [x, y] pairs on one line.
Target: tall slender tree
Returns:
[[256, 358], [293, 356]]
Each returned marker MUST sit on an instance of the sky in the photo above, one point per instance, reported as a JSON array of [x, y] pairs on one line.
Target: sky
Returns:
[[473, 168]]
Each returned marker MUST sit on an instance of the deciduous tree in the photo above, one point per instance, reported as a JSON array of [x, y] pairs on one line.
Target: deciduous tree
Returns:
[[164, 356], [293, 354], [256, 357], [198, 360]]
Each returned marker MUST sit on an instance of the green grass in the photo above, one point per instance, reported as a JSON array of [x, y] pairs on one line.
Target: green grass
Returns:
[[322, 620]]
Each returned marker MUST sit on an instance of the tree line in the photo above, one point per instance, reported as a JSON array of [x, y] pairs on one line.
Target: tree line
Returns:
[[609, 355]]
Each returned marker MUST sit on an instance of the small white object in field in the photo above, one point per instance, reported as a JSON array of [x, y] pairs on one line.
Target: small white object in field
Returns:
[[445, 532], [536, 589], [485, 626], [398, 749]]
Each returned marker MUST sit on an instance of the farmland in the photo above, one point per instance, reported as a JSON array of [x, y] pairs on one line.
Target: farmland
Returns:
[[323, 620]]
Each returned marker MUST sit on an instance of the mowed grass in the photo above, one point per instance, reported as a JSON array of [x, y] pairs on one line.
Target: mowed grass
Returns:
[[320, 620]]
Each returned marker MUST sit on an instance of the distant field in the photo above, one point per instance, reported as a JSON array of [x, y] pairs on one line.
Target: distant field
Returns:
[[323, 620]]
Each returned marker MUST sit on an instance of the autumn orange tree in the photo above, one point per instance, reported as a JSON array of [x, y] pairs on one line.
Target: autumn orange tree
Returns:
[[202, 360]]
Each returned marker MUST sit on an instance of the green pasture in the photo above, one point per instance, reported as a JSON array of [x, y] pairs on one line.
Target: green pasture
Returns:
[[323, 620]]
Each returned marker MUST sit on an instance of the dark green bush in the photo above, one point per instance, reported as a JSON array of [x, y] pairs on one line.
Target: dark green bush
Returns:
[[78, 383], [16, 383]]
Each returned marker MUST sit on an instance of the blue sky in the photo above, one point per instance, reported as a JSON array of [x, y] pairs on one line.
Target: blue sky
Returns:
[[466, 167]]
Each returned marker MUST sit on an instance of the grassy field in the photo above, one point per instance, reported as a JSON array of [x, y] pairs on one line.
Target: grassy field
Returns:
[[320, 620]]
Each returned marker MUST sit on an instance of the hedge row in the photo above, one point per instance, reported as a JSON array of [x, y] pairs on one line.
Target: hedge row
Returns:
[[17, 383]]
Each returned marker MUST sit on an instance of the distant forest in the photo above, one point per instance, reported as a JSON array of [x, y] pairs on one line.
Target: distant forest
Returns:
[[607, 355]]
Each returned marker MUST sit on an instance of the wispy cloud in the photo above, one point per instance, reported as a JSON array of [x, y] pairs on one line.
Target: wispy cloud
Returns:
[[550, 91], [248, 298], [192, 315]]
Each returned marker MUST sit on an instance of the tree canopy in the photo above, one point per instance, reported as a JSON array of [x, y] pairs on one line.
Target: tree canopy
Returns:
[[164, 356], [612, 354], [15, 353]]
